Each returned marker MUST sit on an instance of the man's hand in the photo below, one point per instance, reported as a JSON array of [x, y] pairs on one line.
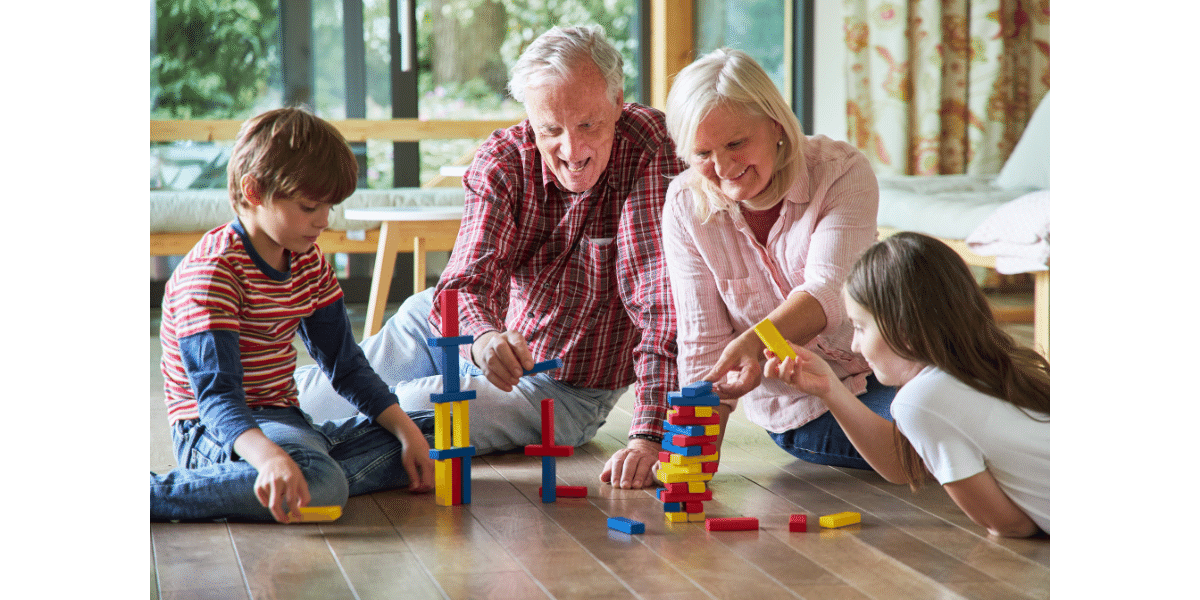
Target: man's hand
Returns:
[[503, 358], [633, 466]]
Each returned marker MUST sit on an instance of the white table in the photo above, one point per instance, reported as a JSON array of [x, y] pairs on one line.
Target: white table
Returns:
[[429, 227]]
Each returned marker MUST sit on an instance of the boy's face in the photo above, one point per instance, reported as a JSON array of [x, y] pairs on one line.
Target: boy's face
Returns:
[[285, 223]]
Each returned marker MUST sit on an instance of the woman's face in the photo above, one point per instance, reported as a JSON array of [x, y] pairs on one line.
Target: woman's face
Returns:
[[736, 151], [889, 367]]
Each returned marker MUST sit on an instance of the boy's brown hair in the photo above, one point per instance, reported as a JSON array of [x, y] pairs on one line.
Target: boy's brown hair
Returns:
[[290, 152]]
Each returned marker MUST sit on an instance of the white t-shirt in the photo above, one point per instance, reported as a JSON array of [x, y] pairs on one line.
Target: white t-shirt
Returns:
[[960, 432]]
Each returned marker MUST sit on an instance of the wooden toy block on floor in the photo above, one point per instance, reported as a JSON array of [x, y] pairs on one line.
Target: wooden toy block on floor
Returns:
[[731, 524], [316, 514], [626, 525], [840, 519], [798, 523], [773, 339], [569, 491]]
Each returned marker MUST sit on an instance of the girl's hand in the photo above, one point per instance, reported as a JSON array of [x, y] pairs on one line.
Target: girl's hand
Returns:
[[738, 370], [807, 372]]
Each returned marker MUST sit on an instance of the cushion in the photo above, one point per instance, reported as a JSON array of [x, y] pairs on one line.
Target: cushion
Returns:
[[946, 206], [1028, 168]]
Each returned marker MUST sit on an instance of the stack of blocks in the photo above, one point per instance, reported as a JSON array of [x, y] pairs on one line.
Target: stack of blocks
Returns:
[[689, 455], [549, 451], [452, 449]]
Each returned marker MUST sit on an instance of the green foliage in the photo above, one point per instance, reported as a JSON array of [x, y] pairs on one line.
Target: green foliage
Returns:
[[214, 58]]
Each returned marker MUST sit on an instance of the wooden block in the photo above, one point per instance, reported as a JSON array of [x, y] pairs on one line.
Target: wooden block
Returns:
[[690, 469], [464, 480], [676, 517], [451, 453], [444, 398], [697, 388], [690, 451], [442, 432], [443, 490], [456, 481], [316, 514], [731, 524], [677, 477], [696, 517], [547, 422], [549, 476], [840, 519], [693, 440], [569, 491], [678, 399], [540, 450], [685, 420], [691, 411], [773, 339], [626, 525], [704, 496], [666, 457], [673, 507], [798, 523], [545, 365], [461, 422], [449, 300], [693, 507]]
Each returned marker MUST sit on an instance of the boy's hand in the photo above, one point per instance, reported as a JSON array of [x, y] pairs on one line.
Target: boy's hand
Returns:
[[503, 358], [281, 487], [418, 465], [807, 372]]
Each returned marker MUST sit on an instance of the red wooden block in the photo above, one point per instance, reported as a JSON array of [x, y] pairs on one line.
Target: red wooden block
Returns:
[[548, 422], [731, 524], [692, 440], [568, 491], [456, 481], [679, 487], [682, 420], [693, 507], [709, 467], [543, 450], [685, 497], [449, 313], [798, 523], [664, 456]]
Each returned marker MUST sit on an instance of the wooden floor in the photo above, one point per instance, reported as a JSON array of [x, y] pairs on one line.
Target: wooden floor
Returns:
[[508, 544]]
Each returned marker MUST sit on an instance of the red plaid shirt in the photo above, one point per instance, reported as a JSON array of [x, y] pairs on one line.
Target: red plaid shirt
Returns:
[[580, 275]]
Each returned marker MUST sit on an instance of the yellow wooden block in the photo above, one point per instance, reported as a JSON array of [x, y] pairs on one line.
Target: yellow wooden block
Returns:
[[441, 426], [773, 339], [462, 423], [701, 411], [678, 459], [697, 487], [840, 519], [677, 517], [694, 517], [681, 477], [316, 514], [712, 430], [684, 469], [443, 484]]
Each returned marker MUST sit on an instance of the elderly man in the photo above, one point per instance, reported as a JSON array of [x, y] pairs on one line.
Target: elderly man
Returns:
[[559, 256]]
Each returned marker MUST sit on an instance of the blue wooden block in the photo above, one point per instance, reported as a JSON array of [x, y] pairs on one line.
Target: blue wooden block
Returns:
[[684, 429], [549, 478], [698, 388], [452, 397], [678, 399], [545, 365], [672, 507], [466, 479], [682, 450], [627, 525], [450, 380], [461, 340], [458, 452]]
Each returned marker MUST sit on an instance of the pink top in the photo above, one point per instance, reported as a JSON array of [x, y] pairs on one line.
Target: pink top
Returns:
[[724, 282]]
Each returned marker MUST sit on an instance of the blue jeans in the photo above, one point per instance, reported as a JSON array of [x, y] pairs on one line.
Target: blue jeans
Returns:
[[339, 459], [500, 421], [822, 440]]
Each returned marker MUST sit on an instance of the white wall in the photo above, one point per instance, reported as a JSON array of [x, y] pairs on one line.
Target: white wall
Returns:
[[829, 79]]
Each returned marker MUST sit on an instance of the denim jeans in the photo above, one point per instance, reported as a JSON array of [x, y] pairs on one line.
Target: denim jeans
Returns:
[[500, 421], [339, 459], [822, 440]]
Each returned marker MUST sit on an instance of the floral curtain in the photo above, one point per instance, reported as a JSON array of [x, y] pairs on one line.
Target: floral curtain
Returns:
[[944, 86]]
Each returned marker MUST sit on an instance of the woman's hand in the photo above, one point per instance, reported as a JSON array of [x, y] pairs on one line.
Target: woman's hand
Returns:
[[738, 370]]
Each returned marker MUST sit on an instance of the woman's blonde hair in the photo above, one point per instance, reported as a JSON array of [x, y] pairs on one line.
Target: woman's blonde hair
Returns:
[[930, 310], [726, 77]]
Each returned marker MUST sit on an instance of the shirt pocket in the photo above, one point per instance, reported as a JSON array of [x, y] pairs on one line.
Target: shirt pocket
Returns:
[[595, 274]]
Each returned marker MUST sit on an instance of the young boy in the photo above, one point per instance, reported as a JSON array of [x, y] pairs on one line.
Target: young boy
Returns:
[[230, 312]]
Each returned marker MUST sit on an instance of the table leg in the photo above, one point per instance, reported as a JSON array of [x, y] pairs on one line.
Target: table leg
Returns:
[[381, 279], [418, 265], [1041, 320]]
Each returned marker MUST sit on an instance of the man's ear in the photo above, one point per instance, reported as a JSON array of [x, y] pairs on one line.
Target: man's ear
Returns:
[[250, 190]]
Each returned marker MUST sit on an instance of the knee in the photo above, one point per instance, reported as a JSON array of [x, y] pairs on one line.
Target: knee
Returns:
[[327, 484]]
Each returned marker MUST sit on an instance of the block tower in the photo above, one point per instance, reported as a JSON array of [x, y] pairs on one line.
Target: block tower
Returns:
[[549, 451], [689, 454], [452, 449]]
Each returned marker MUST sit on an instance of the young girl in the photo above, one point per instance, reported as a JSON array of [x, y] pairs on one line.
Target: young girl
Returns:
[[973, 408]]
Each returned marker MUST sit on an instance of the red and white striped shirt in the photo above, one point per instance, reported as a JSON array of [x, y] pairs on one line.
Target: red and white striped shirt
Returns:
[[580, 275], [218, 286]]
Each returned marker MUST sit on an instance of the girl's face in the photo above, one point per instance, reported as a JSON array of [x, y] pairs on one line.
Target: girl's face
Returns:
[[889, 367], [736, 151]]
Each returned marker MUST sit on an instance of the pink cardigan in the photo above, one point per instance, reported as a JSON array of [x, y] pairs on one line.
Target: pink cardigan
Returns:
[[724, 282]]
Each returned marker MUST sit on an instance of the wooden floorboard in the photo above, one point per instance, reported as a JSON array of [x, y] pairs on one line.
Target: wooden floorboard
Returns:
[[509, 544]]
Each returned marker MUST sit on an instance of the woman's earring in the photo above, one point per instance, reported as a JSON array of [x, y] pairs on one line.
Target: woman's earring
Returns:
[[780, 143]]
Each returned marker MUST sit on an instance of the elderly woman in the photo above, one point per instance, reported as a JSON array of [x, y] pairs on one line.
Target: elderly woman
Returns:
[[765, 223]]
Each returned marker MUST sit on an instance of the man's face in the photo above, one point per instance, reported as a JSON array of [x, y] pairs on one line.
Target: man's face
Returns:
[[574, 123]]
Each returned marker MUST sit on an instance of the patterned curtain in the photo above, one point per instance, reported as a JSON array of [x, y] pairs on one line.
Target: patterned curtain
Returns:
[[944, 86]]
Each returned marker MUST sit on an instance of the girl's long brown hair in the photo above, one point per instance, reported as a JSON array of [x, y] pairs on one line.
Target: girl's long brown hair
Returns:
[[929, 309]]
